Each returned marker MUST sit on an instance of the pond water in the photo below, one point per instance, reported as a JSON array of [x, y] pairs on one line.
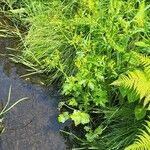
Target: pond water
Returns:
[[32, 124]]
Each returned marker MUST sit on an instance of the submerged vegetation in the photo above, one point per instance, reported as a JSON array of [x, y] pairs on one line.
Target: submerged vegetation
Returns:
[[99, 51], [4, 110]]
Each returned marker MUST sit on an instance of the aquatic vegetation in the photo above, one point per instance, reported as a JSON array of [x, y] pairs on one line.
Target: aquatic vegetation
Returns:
[[4, 110], [99, 51]]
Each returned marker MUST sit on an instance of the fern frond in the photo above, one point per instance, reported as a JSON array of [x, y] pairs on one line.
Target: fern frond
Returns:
[[138, 82], [143, 140], [144, 60]]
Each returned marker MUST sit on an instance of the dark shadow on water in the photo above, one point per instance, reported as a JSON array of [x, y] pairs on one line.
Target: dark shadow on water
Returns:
[[31, 125]]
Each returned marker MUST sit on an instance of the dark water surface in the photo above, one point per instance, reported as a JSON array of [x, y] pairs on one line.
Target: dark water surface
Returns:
[[32, 124]]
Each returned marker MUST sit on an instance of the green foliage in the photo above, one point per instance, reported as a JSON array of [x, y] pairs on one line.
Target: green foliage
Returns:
[[86, 45], [117, 130], [140, 112], [77, 116], [80, 117], [93, 135], [138, 82], [142, 142], [63, 117]]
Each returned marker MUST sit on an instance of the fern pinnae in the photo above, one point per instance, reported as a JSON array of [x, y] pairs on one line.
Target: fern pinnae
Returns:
[[138, 82], [142, 142]]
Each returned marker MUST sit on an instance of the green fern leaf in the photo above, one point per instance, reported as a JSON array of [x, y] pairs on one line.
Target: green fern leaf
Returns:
[[144, 60], [143, 140], [138, 82]]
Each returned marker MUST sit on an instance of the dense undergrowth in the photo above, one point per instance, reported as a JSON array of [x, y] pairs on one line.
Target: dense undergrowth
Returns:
[[99, 51]]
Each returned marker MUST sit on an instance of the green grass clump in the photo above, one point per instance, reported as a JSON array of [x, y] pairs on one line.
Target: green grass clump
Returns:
[[93, 47]]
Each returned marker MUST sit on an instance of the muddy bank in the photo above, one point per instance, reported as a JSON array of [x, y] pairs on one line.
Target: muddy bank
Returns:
[[32, 125]]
